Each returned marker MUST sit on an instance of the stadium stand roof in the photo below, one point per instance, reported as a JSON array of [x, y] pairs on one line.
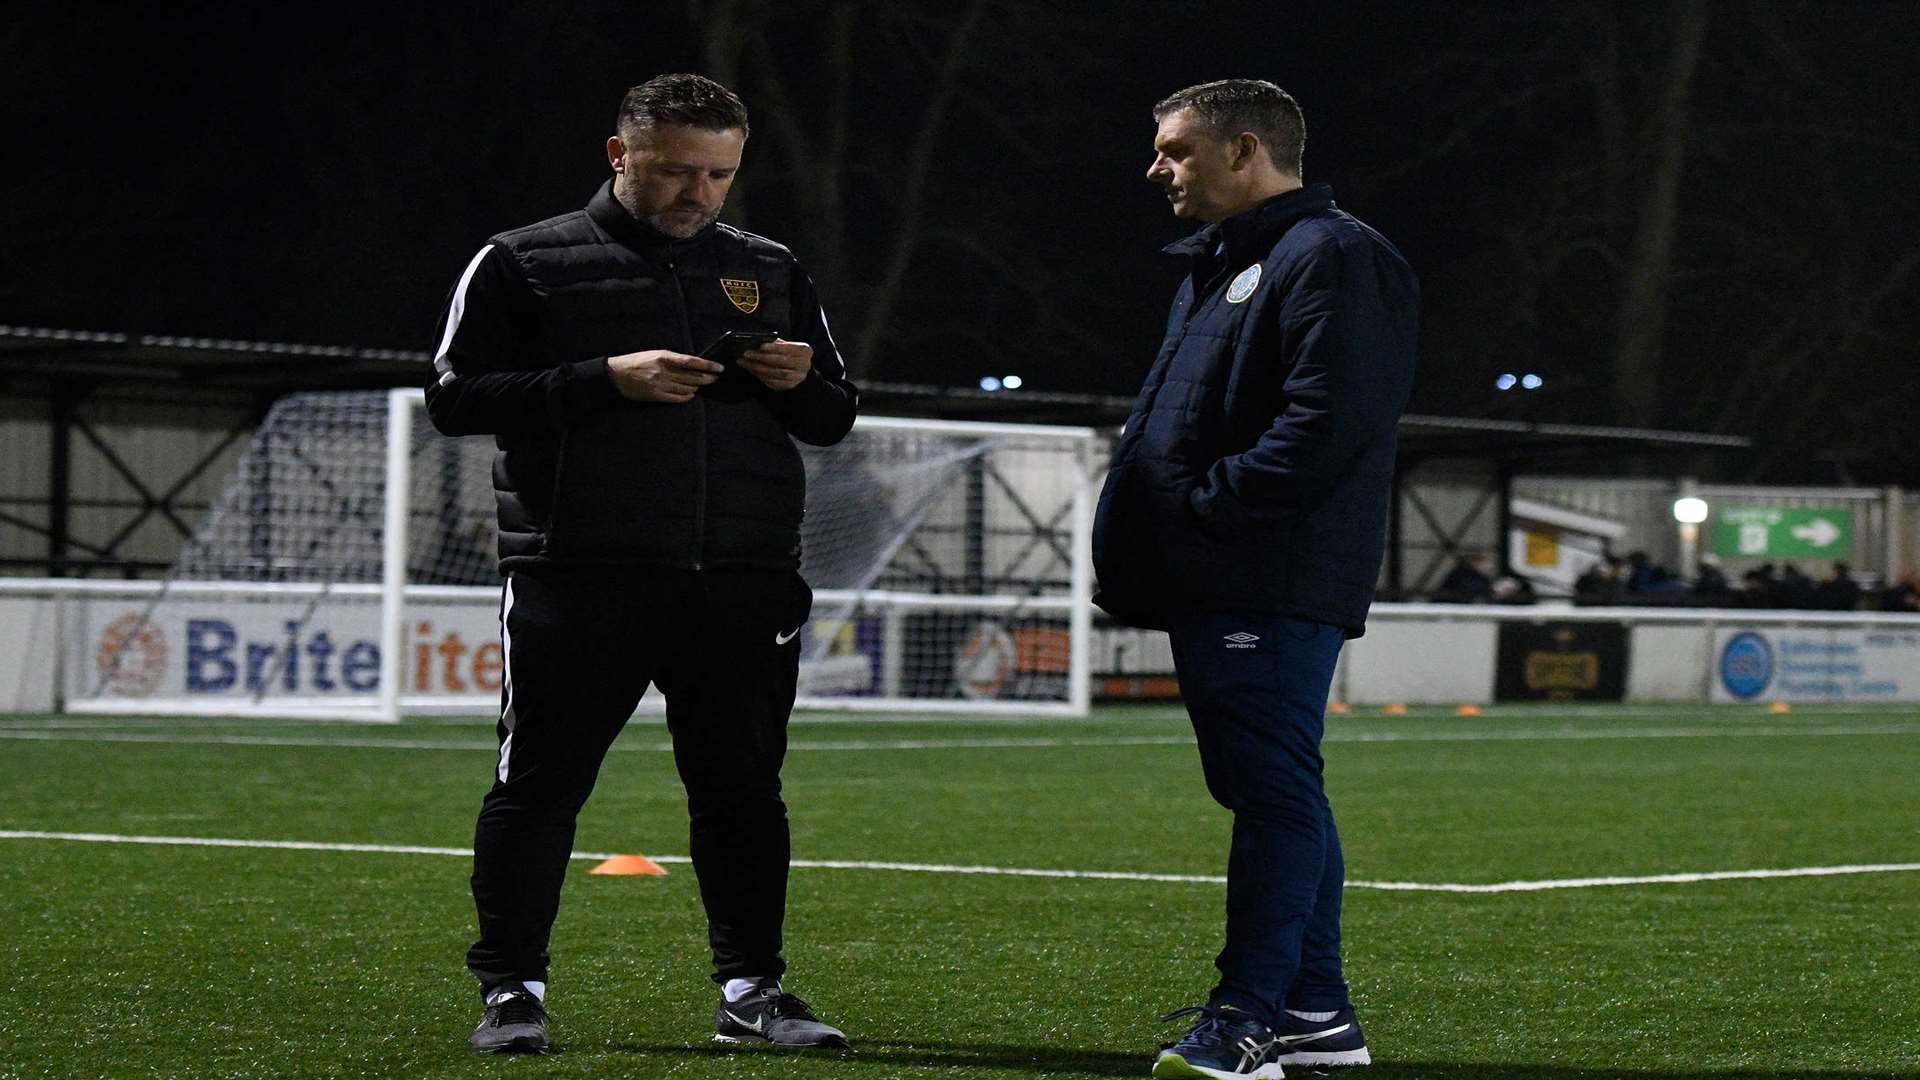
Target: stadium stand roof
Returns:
[[39, 355], [68, 367], [1452, 436]]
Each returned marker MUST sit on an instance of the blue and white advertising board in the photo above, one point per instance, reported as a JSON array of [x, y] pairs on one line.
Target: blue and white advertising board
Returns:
[[1816, 664]]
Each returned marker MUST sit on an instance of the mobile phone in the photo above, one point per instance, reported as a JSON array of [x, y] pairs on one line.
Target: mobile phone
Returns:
[[726, 348]]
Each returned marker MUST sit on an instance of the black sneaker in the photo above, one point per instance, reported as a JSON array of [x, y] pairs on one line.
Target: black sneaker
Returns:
[[1338, 1041], [1223, 1044], [773, 1017], [515, 1022]]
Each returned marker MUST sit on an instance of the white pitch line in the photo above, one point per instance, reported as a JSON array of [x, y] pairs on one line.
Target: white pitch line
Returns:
[[1006, 743], [993, 871], [243, 740], [660, 746], [1645, 879], [803, 717], [1617, 733]]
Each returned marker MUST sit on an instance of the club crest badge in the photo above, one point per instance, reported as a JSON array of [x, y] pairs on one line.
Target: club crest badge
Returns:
[[1244, 285], [744, 294]]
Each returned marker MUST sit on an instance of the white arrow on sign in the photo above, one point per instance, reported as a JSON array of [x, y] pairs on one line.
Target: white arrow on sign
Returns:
[[1819, 532]]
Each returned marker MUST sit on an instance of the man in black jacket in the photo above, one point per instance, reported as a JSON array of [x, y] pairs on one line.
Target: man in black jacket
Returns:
[[1245, 513], [650, 503]]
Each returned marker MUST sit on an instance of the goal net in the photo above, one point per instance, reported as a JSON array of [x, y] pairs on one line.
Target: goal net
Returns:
[[348, 571]]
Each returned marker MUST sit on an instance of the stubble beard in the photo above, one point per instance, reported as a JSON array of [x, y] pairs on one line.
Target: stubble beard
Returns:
[[673, 227], [677, 227]]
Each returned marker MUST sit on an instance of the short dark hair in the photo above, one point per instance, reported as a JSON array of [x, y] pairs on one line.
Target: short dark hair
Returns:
[[1231, 106], [682, 100]]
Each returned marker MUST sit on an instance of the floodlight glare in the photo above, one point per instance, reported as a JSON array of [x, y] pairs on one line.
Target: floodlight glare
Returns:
[[1505, 382], [989, 383], [1690, 510], [1011, 382], [1532, 382]]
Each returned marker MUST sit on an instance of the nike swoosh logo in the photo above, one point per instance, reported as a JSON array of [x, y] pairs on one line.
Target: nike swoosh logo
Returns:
[[758, 1027], [782, 639], [1311, 1035]]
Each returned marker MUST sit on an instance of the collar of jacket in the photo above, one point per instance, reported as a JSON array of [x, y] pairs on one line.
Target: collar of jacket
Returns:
[[1261, 224], [607, 212]]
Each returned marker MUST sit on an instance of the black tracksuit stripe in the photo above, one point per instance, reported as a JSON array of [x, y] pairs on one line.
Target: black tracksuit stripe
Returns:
[[648, 542], [582, 646]]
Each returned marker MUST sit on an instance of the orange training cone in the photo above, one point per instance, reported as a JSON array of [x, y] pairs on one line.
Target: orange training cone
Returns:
[[1467, 710], [630, 864], [1779, 707], [1340, 708], [1394, 710]]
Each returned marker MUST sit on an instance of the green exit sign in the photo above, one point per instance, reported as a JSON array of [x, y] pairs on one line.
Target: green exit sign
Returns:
[[1780, 532]]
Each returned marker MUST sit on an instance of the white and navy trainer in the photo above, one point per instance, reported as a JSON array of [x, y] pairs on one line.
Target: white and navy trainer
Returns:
[[1338, 1041], [1225, 1043]]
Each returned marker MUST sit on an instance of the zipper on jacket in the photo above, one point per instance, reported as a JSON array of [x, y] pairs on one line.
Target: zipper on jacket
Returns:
[[699, 426]]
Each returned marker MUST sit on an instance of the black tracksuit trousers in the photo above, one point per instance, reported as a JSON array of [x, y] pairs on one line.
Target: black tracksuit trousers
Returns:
[[581, 647]]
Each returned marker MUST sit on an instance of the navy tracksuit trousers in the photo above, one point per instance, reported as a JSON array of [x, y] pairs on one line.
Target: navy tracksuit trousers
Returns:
[[1256, 690]]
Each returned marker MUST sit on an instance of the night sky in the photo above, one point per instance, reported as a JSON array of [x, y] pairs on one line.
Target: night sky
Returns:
[[320, 173]]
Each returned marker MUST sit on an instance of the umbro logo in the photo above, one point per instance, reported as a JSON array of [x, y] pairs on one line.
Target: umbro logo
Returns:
[[1241, 640]]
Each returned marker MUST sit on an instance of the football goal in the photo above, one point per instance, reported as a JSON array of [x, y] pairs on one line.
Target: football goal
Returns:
[[348, 571]]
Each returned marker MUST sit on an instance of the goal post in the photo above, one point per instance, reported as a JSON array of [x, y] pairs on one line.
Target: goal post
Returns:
[[401, 407], [347, 572], [958, 556]]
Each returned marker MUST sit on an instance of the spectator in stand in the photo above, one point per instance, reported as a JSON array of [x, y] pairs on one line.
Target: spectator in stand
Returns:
[[1600, 584], [1797, 590], [1710, 586], [1469, 582], [1760, 588], [1902, 595], [1839, 592], [1646, 576], [1640, 571], [1513, 589]]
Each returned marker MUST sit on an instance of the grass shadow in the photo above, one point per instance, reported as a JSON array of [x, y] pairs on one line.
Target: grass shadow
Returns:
[[1068, 1061], [1065, 1061], [1470, 1071]]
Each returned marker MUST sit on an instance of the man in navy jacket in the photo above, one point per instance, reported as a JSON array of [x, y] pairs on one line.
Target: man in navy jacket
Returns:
[[1245, 513]]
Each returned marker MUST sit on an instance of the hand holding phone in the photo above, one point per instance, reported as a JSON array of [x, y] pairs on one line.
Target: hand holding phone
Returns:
[[661, 375], [779, 365], [728, 347]]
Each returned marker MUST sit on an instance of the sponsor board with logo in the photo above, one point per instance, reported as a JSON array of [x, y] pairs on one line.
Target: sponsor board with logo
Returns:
[[1131, 663], [1026, 661], [1561, 661], [1815, 664], [243, 650], [267, 649]]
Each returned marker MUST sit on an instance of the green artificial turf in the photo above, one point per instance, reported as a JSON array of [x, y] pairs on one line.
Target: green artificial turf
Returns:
[[137, 959]]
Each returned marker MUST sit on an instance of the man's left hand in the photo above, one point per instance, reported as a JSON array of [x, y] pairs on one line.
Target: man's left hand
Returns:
[[782, 365]]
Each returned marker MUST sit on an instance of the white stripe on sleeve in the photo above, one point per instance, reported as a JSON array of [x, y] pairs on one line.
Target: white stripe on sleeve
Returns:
[[454, 310]]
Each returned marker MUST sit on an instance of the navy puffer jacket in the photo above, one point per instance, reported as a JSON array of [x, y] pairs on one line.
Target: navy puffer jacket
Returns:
[[1254, 472]]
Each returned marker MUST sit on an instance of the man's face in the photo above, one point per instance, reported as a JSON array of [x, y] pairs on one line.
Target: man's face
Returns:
[[675, 178], [1195, 166]]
